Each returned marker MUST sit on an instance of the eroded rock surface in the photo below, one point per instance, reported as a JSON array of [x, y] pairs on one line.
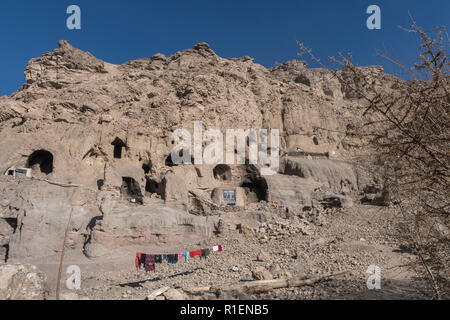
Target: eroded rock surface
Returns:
[[97, 137], [22, 282]]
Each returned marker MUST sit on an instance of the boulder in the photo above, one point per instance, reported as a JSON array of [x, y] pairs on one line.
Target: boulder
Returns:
[[339, 176], [261, 273], [22, 282], [263, 256], [138, 225], [174, 294]]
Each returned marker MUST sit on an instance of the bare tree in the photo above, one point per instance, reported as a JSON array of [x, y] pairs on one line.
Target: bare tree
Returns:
[[406, 130]]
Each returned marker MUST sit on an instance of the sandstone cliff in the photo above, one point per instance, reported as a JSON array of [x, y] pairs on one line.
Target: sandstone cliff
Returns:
[[81, 123]]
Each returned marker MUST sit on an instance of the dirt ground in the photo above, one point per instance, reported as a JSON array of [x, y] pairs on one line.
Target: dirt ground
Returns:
[[349, 239]]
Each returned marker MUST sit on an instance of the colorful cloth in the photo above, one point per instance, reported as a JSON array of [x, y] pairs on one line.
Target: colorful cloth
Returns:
[[142, 260], [197, 253], [138, 258], [149, 262], [205, 253], [186, 256], [172, 258]]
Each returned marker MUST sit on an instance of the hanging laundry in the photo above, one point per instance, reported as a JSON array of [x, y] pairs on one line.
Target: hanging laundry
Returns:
[[150, 262], [205, 253], [138, 258], [172, 258], [186, 256], [197, 253]]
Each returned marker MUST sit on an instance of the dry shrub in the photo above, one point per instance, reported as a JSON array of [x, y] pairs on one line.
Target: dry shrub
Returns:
[[405, 129]]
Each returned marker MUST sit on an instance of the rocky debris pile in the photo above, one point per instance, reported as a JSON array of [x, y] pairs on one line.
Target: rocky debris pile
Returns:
[[271, 225], [276, 229], [337, 247], [22, 282]]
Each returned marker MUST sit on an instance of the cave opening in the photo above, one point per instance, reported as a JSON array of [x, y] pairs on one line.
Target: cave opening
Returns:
[[118, 146], [222, 172], [6, 246], [43, 159], [100, 183], [255, 188], [316, 141], [151, 186], [170, 163], [131, 190], [147, 167]]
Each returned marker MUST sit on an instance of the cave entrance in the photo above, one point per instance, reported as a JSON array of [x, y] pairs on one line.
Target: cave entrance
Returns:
[[131, 190], [118, 146], [184, 159], [169, 162], [152, 186], [43, 159], [147, 167], [255, 189], [222, 172]]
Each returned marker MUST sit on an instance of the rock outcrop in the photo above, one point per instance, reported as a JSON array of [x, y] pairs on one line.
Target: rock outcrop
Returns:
[[104, 131], [22, 282]]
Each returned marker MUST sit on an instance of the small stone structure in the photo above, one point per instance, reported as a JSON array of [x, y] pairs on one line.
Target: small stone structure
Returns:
[[18, 172]]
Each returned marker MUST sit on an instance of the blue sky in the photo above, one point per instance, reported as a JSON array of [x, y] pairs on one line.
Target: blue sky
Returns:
[[118, 31]]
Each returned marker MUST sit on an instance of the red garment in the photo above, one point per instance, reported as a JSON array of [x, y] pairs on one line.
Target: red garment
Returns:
[[192, 254], [220, 248], [138, 257]]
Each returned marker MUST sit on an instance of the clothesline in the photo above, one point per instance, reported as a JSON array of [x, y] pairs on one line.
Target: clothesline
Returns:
[[148, 261]]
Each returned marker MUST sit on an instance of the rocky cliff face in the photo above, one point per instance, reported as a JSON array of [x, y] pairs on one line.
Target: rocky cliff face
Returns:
[[81, 123]]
